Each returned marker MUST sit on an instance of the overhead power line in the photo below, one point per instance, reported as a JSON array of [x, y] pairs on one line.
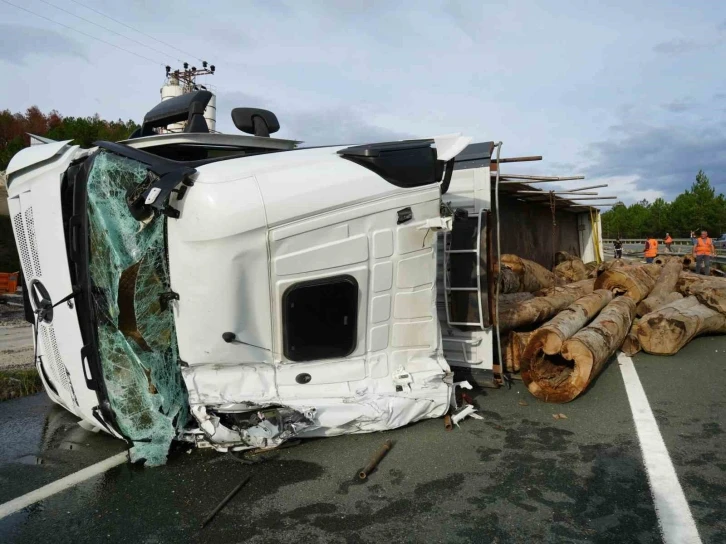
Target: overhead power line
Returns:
[[136, 30], [110, 30], [83, 33]]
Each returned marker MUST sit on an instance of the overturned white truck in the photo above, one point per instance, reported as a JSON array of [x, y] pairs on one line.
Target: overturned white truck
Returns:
[[235, 291]]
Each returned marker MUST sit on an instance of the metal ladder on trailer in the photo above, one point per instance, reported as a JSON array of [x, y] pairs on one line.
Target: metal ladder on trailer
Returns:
[[448, 288]]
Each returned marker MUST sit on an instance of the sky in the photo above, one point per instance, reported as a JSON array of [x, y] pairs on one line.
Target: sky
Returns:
[[629, 93]]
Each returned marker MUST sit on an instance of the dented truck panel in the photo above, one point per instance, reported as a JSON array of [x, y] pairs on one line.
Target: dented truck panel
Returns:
[[260, 241]]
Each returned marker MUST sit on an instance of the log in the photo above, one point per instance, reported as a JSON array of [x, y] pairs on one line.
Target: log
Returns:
[[607, 265], [631, 344], [536, 310], [651, 303], [562, 377], [666, 331], [577, 289], [550, 336], [508, 281], [562, 256], [514, 298], [664, 290], [514, 345], [710, 291], [635, 282], [571, 270], [532, 276]]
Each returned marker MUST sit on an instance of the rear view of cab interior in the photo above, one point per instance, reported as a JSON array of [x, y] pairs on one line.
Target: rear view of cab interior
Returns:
[[236, 291]]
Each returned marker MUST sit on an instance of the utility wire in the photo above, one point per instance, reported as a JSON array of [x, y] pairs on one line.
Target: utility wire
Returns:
[[111, 31], [135, 30], [81, 32]]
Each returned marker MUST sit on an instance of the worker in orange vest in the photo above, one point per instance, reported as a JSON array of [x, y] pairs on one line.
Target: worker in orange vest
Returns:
[[668, 241], [651, 249], [703, 251]]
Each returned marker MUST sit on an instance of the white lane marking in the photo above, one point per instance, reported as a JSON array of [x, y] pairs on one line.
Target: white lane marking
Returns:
[[674, 515], [60, 485]]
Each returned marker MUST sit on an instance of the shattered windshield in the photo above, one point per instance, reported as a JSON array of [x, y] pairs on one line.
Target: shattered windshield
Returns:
[[136, 336]]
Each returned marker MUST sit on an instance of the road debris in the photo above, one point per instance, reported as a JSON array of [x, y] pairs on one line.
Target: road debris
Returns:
[[373, 463], [228, 498], [559, 416], [448, 425]]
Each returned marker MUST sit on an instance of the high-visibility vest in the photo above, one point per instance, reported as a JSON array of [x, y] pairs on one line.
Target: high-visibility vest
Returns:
[[652, 250], [703, 247], [669, 240]]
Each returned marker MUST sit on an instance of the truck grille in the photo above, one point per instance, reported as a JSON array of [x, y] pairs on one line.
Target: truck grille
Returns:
[[53, 356], [27, 245]]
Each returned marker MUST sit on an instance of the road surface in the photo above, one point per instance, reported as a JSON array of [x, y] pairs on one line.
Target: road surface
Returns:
[[519, 475]]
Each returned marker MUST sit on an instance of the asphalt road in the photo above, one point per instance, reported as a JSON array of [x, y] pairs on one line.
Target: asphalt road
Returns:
[[519, 475]]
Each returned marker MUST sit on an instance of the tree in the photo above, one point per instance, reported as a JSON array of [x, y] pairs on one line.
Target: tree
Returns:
[[696, 208], [14, 129]]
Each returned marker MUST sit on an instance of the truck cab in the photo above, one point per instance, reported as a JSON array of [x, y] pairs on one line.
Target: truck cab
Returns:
[[235, 291]]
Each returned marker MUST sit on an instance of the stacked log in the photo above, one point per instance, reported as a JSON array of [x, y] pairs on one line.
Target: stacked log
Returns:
[[631, 344], [550, 336], [577, 289], [708, 290], [581, 324], [517, 275], [563, 376], [571, 270], [536, 310], [634, 282], [664, 290], [513, 349], [666, 331]]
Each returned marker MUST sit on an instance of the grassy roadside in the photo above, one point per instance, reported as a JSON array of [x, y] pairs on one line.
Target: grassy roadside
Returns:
[[19, 383]]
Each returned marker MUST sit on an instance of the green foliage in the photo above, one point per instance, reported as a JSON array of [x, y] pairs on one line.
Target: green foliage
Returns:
[[19, 383], [14, 129], [696, 208]]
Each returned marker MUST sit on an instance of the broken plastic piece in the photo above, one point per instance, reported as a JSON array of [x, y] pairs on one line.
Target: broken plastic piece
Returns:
[[467, 410]]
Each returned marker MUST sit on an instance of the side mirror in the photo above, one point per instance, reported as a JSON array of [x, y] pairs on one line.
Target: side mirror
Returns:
[[187, 107], [255, 121]]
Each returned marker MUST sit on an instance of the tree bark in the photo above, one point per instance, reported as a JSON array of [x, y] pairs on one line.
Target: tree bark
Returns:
[[666, 331], [635, 282], [631, 344], [710, 291], [532, 276], [607, 265], [536, 310], [562, 377], [514, 298], [571, 270], [514, 345], [577, 289], [562, 256], [664, 290], [550, 336]]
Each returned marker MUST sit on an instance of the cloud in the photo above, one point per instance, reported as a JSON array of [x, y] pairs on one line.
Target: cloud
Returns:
[[678, 106], [677, 47], [20, 42], [335, 125], [661, 159]]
